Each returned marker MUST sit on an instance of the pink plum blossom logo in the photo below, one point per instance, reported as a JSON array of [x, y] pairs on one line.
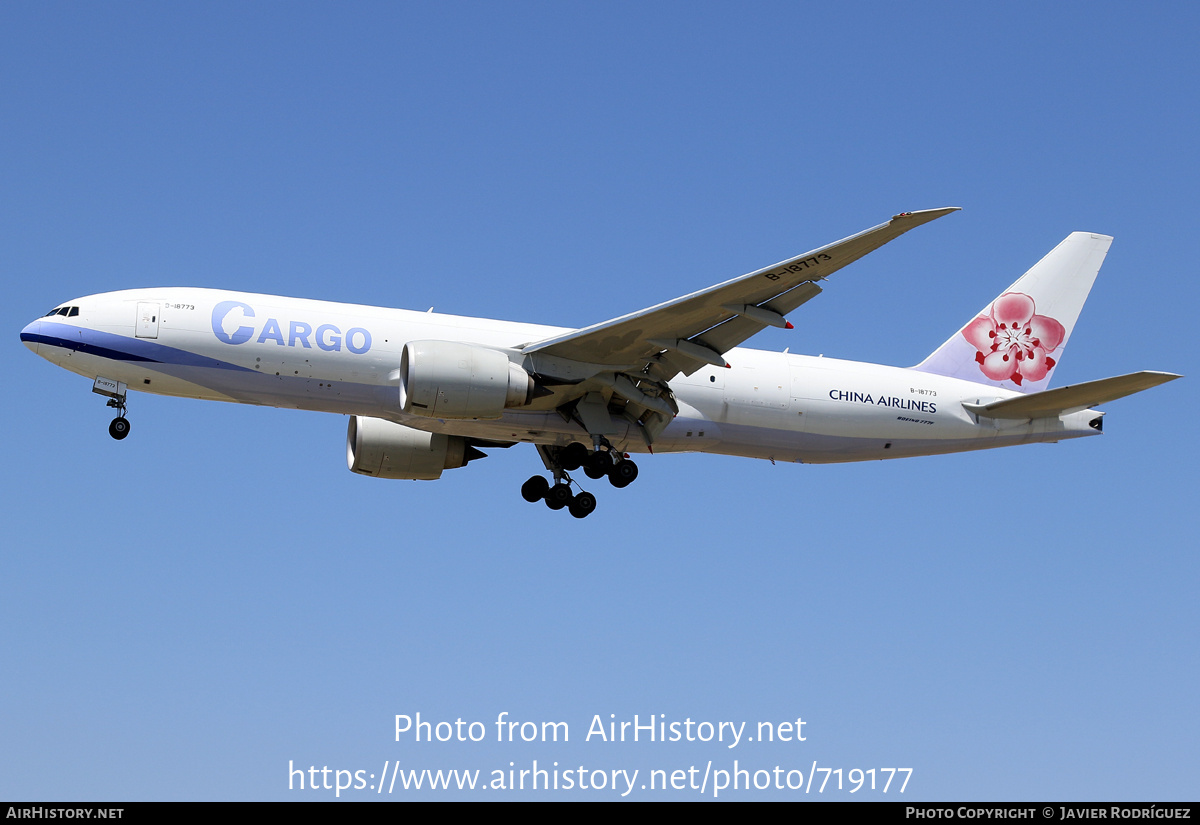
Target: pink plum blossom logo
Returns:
[[1012, 341]]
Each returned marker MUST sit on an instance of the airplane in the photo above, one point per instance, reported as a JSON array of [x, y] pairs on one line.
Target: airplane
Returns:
[[428, 392]]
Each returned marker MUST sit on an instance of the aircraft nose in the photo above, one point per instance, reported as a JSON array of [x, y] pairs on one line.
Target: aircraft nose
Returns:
[[32, 334]]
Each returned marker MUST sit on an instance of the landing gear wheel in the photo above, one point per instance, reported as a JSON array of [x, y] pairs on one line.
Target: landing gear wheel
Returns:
[[583, 505], [573, 456], [535, 489], [119, 428], [597, 465], [622, 473], [559, 496]]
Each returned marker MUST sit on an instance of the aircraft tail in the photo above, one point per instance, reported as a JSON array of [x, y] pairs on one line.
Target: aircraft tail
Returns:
[[1016, 341]]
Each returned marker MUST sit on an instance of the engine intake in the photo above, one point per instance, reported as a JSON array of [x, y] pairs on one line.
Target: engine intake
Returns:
[[384, 449], [448, 379]]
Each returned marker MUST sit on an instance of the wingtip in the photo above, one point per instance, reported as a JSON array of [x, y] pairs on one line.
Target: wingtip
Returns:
[[927, 214]]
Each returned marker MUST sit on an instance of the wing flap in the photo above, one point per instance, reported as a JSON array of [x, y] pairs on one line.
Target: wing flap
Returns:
[[1053, 403]]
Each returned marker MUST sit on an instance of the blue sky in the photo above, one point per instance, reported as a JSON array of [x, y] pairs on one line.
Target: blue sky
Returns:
[[187, 612]]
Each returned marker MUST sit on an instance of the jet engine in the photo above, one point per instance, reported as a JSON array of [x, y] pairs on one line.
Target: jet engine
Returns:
[[448, 379], [383, 449]]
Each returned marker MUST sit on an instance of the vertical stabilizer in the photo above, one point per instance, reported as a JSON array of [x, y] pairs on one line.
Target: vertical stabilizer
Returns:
[[1018, 339]]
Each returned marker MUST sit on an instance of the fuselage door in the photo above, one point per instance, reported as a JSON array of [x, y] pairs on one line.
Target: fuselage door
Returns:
[[147, 320]]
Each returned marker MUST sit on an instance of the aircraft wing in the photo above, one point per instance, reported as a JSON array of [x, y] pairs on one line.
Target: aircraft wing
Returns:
[[685, 334]]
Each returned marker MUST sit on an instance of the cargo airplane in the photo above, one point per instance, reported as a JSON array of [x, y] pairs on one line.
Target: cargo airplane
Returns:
[[426, 392]]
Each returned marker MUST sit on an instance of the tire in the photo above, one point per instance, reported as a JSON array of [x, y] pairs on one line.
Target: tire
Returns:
[[573, 456], [535, 489], [559, 496], [583, 505], [623, 473], [119, 428], [598, 465]]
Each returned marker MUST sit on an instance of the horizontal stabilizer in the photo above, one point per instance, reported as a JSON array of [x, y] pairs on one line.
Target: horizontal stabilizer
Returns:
[[1052, 403]]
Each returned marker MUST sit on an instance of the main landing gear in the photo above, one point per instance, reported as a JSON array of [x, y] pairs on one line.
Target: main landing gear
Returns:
[[596, 464], [558, 496]]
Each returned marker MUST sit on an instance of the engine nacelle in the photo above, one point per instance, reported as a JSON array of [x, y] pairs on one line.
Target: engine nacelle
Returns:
[[448, 379], [383, 449]]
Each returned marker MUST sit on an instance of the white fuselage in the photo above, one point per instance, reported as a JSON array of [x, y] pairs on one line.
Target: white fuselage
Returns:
[[344, 358]]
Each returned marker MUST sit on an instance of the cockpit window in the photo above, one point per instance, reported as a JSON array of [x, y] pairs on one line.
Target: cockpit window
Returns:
[[63, 312], [74, 311], [51, 312], [66, 312]]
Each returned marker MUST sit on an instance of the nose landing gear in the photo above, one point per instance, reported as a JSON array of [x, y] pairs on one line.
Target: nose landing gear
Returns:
[[115, 391]]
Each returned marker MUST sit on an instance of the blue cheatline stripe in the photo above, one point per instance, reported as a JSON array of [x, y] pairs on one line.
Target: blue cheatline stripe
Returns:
[[121, 347]]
